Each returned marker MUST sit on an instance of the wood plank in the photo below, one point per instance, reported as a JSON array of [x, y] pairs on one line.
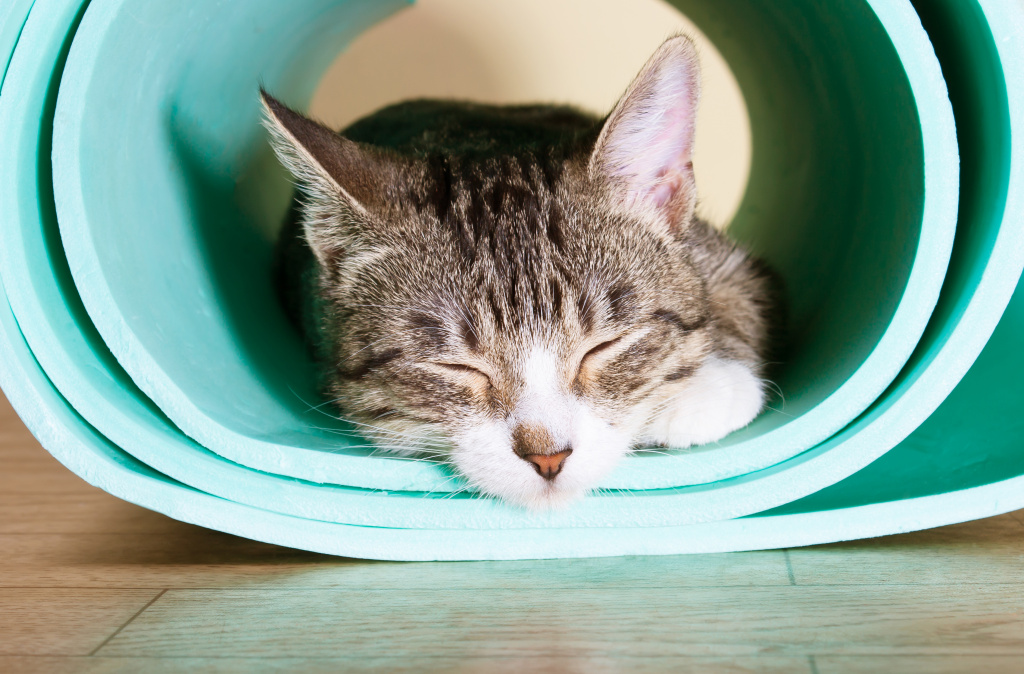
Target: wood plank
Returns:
[[556, 665], [37, 621], [986, 551], [27, 467], [920, 664], [40, 478], [77, 511], [441, 622], [191, 557]]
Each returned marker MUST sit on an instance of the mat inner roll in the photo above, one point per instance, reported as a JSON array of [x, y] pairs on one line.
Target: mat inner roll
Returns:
[[170, 242]]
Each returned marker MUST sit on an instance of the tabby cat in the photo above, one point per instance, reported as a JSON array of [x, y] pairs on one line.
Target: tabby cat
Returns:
[[523, 292]]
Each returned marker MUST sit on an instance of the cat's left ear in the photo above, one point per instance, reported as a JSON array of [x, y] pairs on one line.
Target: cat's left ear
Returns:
[[644, 153], [339, 176]]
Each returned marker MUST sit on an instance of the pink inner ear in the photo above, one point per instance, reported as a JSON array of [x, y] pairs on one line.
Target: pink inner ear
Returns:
[[651, 146], [660, 164], [662, 192]]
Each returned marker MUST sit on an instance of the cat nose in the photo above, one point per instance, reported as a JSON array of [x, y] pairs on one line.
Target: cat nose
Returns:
[[548, 465]]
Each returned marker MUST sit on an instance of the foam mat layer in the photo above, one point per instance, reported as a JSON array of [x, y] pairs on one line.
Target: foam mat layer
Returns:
[[142, 345]]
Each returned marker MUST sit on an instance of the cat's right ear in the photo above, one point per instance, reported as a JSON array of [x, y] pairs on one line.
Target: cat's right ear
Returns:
[[644, 154], [336, 174]]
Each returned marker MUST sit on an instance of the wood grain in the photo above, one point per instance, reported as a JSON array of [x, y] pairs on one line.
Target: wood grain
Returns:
[[52, 621], [920, 664], [791, 620], [75, 511], [383, 665], [197, 558], [987, 551]]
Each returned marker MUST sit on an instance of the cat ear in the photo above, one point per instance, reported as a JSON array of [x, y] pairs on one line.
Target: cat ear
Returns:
[[644, 153], [340, 178]]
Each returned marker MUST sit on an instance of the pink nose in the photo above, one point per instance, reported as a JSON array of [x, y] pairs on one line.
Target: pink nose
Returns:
[[548, 465]]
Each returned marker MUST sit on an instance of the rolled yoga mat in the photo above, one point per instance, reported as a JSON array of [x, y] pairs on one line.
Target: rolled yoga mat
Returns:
[[141, 342]]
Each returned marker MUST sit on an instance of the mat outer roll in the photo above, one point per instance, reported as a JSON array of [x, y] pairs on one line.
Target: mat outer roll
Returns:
[[140, 423]]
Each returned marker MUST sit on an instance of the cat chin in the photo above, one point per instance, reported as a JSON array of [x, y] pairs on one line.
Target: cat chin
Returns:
[[721, 397]]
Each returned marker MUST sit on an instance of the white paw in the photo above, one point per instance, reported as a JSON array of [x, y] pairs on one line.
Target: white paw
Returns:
[[721, 397]]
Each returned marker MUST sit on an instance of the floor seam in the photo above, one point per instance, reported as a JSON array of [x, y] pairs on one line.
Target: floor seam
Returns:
[[129, 622]]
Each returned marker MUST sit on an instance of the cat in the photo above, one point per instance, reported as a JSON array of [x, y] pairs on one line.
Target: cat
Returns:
[[523, 292]]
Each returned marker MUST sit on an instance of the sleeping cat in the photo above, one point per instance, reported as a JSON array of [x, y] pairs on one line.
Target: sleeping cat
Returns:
[[523, 292]]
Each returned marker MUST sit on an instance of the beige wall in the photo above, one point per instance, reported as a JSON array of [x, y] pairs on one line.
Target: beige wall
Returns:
[[583, 52]]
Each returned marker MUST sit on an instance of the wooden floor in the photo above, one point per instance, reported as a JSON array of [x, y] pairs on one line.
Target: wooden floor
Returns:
[[89, 583]]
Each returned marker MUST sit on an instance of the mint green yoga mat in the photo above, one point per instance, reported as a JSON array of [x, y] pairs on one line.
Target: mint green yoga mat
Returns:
[[141, 343]]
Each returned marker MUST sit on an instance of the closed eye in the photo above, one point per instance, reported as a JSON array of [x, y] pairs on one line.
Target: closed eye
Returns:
[[598, 351], [465, 370]]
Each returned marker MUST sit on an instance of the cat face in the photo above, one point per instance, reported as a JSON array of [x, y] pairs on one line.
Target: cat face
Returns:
[[560, 346], [522, 310]]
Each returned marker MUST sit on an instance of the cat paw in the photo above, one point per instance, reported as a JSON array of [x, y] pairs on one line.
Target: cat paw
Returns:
[[721, 397]]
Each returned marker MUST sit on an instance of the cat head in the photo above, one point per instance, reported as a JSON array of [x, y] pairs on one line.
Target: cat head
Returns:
[[520, 314]]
